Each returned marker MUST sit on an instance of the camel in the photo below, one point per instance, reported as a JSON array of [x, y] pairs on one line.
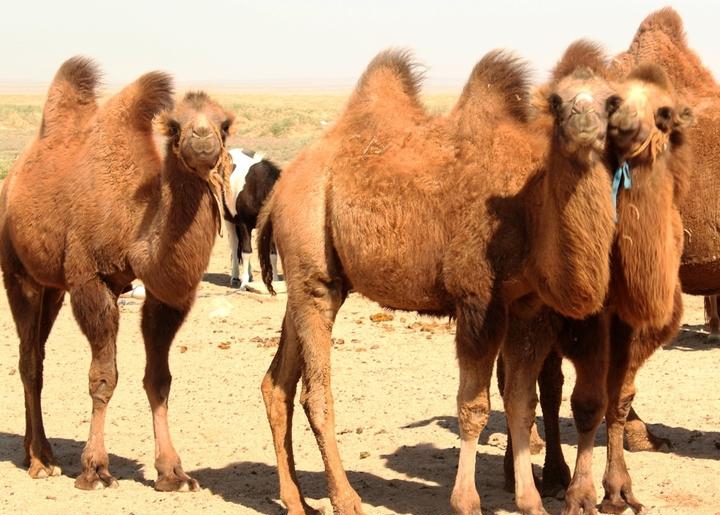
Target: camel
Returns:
[[661, 39], [646, 136], [388, 203], [91, 205]]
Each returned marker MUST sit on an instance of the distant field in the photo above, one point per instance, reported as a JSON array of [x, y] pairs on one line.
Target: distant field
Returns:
[[278, 125]]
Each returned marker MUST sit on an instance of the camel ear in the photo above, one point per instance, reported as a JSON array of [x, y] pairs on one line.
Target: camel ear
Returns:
[[167, 125], [612, 104]]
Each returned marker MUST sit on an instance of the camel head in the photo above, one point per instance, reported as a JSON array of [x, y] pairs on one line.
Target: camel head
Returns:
[[578, 105], [645, 115], [196, 129]]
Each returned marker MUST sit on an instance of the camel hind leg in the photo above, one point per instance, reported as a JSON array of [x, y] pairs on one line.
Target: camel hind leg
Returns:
[[313, 307], [713, 318], [278, 389], [95, 309], [34, 309]]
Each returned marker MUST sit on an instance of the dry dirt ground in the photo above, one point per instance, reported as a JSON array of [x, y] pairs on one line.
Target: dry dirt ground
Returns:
[[394, 384]]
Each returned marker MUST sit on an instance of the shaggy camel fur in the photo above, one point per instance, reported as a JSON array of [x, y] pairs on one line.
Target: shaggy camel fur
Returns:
[[644, 306], [90, 206], [661, 39], [388, 203]]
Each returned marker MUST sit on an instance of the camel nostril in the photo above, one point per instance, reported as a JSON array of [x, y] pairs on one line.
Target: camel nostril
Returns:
[[201, 132]]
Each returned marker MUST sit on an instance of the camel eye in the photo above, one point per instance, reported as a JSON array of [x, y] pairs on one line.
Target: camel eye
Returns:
[[555, 103], [612, 104], [225, 128], [173, 128], [665, 113]]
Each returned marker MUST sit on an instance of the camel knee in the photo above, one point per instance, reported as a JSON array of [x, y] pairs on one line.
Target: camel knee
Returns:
[[472, 418], [588, 412], [102, 385], [521, 409], [315, 404]]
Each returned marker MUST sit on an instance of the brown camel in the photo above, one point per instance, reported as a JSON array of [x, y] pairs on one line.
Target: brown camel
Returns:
[[643, 309], [661, 39], [452, 216], [90, 206]]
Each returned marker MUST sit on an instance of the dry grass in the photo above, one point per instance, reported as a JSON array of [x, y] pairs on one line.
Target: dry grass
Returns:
[[278, 125]]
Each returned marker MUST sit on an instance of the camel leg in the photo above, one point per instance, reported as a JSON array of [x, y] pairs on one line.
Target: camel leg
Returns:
[[711, 313], [476, 357], [586, 344], [313, 318], [556, 473], [34, 310], [536, 442], [639, 438], [160, 323], [522, 368], [278, 390], [95, 309], [621, 391], [233, 242], [274, 263]]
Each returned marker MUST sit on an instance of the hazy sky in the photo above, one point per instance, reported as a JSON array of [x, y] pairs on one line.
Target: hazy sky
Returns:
[[316, 42]]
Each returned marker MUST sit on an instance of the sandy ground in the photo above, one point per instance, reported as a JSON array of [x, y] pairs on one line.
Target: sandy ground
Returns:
[[394, 385]]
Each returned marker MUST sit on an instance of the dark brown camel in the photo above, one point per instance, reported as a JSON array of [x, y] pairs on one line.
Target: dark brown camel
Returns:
[[90, 206], [645, 131], [461, 215]]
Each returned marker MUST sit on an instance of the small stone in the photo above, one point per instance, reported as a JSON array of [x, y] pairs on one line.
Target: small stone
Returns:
[[224, 345], [183, 349], [382, 317], [364, 455], [359, 430]]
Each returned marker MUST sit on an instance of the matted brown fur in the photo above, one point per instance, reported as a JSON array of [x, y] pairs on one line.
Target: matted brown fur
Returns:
[[457, 215], [88, 207], [644, 306]]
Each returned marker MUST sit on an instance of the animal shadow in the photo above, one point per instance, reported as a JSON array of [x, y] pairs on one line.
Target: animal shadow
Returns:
[[68, 453], [692, 338]]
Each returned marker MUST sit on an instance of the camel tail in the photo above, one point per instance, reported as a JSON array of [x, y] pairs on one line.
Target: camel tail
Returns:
[[582, 53], [264, 243], [72, 95], [391, 74], [500, 82], [151, 94]]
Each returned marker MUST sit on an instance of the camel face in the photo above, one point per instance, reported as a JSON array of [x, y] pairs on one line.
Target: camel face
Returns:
[[644, 115], [578, 103], [197, 129]]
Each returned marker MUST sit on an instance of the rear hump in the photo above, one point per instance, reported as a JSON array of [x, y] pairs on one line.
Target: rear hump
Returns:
[[499, 85], [581, 54], [150, 95]]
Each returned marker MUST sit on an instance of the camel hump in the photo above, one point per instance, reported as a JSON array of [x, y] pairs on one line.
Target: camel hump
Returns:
[[582, 53], [391, 77], [151, 94], [667, 21], [72, 92], [500, 82]]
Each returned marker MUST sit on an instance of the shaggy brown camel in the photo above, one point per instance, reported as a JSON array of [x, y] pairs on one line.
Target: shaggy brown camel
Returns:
[[661, 39], [90, 206], [452, 216], [644, 306]]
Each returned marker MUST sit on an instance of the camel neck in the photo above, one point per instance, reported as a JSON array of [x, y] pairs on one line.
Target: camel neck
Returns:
[[646, 257], [572, 233], [178, 245]]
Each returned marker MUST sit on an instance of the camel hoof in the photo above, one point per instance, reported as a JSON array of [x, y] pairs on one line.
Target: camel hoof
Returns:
[[177, 484], [234, 281], [96, 481], [39, 471]]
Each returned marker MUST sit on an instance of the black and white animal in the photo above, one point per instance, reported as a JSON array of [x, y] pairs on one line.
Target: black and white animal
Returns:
[[251, 181]]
